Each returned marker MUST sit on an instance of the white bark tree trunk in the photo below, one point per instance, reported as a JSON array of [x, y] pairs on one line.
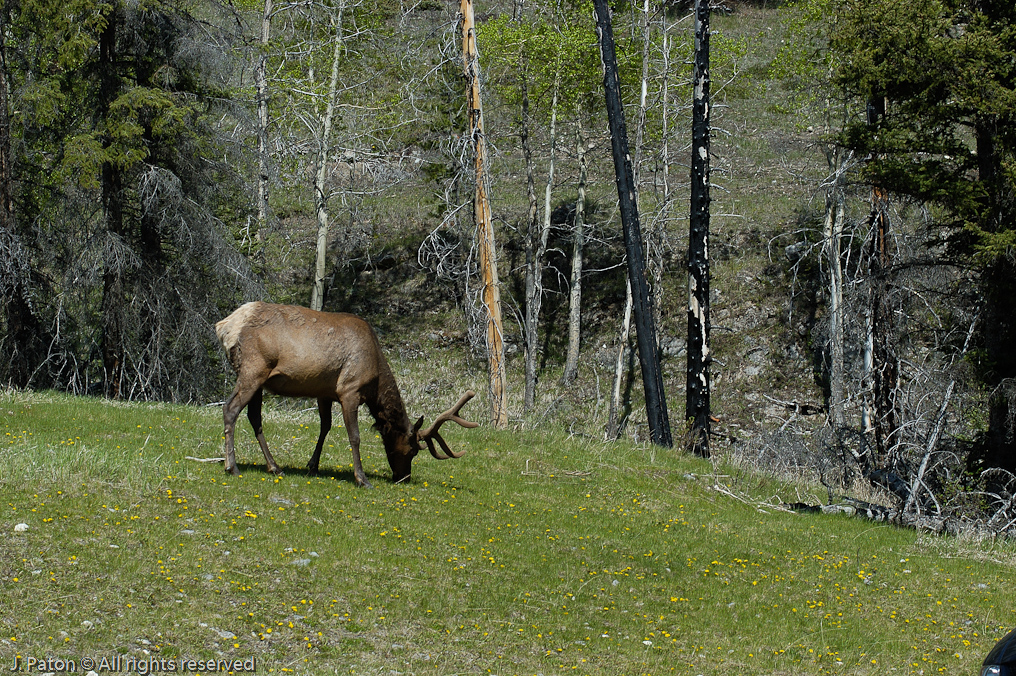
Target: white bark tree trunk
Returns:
[[833, 235], [571, 366], [261, 86], [534, 271], [321, 169], [614, 420]]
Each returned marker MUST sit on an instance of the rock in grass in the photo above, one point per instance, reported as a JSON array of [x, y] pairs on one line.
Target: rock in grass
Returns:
[[21, 528]]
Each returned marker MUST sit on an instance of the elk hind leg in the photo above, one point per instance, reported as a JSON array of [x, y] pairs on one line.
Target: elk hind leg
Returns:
[[230, 412], [325, 413], [254, 416]]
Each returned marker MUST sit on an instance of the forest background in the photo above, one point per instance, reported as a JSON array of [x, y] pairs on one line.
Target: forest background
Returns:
[[163, 162]]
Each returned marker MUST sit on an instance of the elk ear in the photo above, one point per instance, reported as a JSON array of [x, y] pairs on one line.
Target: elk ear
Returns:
[[417, 426]]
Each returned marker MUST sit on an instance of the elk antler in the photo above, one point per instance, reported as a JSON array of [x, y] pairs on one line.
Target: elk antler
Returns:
[[430, 434]]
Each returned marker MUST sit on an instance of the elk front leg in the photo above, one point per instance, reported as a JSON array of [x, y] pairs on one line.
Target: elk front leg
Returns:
[[254, 416], [325, 413], [349, 414]]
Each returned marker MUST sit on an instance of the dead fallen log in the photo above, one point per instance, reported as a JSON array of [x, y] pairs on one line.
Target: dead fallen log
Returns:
[[880, 513], [847, 506]]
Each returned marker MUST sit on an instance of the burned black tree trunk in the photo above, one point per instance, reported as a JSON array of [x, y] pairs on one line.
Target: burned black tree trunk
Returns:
[[645, 328], [697, 388], [882, 362]]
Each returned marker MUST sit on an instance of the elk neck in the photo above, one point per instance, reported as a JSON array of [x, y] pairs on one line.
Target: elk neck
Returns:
[[387, 409]]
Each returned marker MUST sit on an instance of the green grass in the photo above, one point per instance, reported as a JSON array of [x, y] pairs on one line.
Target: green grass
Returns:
[[535, 553]]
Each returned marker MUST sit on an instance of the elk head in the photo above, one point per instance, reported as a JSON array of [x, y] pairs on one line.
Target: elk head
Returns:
[[402, 448]]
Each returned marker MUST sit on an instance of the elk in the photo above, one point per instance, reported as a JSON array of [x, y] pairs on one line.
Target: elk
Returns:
[[297, 352]]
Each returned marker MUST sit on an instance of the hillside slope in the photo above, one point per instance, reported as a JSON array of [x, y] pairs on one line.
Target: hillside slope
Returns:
[[537, 552]]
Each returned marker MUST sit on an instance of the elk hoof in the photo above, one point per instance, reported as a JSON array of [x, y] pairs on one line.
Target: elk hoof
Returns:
[[234, 470], [364, 484]]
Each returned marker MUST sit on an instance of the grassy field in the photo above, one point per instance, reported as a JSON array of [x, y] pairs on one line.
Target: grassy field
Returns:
[[535, 553]]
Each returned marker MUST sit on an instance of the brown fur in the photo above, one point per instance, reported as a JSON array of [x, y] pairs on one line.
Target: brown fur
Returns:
[[293, 351]]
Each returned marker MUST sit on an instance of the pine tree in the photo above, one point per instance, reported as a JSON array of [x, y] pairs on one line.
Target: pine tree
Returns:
[[945, 69]]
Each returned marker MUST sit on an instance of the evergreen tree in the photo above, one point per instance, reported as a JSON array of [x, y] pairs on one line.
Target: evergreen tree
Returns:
[[120, 184], [946, 72]]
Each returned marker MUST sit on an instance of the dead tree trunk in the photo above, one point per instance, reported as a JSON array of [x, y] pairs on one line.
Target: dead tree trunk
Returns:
[[882, 362], [484, 224], [698, 387], [645, 328], [833, 236], [936, 432], [884, 374]]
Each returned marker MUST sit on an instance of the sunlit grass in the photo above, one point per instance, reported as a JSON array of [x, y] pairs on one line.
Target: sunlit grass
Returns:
[[535, 553]]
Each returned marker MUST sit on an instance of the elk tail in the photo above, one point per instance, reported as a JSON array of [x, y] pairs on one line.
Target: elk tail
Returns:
[[228, 330]]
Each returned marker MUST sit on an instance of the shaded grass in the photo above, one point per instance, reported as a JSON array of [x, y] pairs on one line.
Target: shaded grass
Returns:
[[536, 553]]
